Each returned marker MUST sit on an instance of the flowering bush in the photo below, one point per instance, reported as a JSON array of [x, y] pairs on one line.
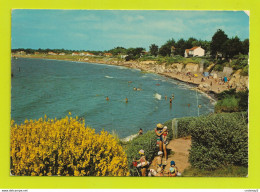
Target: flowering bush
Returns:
[[64, 147]]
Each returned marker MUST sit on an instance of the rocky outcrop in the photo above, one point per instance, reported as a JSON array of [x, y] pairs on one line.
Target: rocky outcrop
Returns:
[[238, 81], [227, 71], [191, 67], [204, 87]]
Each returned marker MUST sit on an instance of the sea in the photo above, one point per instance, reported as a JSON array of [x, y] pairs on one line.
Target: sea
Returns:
[[56, 87]]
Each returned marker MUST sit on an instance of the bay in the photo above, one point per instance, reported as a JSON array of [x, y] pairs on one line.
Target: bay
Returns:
[[55, 88]]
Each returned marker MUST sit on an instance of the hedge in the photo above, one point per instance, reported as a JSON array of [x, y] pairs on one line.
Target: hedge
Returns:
[[219, 140]]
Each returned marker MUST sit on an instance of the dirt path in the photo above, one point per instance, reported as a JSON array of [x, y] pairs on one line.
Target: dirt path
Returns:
[[180, 147]]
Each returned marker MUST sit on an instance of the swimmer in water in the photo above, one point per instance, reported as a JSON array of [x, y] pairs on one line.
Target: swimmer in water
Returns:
[[170, 101], [126, 100], [165, 97], [188, 105], [107, 98], [135, 88]]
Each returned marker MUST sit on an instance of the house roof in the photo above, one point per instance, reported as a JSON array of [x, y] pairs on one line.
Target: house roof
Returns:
[[191, 49]]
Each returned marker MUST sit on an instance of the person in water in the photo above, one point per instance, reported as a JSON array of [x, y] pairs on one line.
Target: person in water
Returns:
[[170, 101], [165, 97], [126, 100], [107, 98]]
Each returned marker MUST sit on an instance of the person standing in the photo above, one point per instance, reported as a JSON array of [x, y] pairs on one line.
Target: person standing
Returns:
[[162, 146]]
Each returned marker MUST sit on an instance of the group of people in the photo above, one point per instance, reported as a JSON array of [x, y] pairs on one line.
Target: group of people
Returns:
[[160, 161], [170, 99]]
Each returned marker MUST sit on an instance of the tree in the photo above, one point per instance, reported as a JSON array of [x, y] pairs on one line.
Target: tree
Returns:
[[217, 42], [245, 47], [205, 45], [180, 47], [191, 42], [134, 53], [154, 49], [232, 47], [118, 50], [166, 48]]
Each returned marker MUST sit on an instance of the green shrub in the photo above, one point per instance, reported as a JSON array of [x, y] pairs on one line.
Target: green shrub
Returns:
[[245, 71], [229, 104], [219, 140], [232, 101], [184, 126], [219, 67], [239, 62]]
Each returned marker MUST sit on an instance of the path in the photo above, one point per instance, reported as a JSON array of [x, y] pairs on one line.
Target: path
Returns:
[[180, 147]]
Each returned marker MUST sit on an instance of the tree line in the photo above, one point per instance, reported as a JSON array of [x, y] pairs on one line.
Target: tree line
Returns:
[[219, 46]]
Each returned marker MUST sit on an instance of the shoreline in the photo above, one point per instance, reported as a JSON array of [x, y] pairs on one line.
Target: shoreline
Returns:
[[192, 86], [194, 81]]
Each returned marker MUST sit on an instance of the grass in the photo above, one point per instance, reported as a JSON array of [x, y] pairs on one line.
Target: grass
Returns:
[[228, 171]]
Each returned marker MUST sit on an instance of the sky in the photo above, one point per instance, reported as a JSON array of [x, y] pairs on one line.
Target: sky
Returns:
[[101, 30]]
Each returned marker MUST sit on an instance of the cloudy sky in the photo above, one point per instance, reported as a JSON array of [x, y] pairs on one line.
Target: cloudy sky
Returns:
[[106, 29]]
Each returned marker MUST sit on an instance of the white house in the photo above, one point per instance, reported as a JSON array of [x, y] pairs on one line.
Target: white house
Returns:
[[194, 51]]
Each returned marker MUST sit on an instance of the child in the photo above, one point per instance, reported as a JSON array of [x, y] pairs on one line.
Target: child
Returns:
[[159, 172], [143, 162], [164, 135], [173, 170]]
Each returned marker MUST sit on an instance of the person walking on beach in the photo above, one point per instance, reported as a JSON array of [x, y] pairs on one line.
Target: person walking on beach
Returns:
[[162, 146]]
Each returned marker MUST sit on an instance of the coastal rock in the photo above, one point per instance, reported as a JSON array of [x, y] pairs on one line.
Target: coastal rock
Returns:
[[204, 87], [147, 62], [177, 67], [238, 81], [160, 68], [191, 67], [227, 71]]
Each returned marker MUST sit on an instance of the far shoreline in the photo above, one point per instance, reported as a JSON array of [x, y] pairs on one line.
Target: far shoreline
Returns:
[[210, 94]]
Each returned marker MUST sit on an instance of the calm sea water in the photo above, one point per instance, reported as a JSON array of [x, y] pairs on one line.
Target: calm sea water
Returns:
[[56, 88]]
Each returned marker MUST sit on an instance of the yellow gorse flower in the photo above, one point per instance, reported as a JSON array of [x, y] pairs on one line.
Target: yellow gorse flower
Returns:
[[64, 147]]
